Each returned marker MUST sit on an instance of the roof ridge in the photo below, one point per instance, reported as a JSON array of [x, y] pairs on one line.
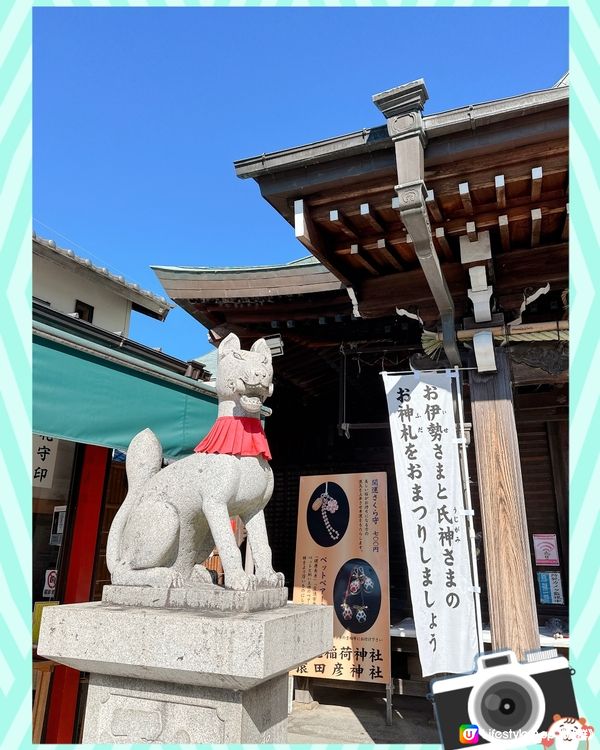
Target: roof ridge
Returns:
[[100, 270], [307, 260]]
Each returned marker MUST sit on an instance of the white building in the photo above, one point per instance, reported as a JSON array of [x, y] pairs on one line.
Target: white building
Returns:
[[75, 286]]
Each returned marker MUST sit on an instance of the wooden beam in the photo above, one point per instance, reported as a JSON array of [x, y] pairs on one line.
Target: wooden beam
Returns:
[[386, 252], [536, 183], [502, 331], [565, 230], [524, 374], [541, 402], [514, 166], [489, 219], [369, 215], [278, 309], [381, 294], [504, 232], [465, 196], [433, 206], [399, 244], [523, 268], [511, 595], [357, 252], [237, 316], [471, 231], [536, 226], [500, 190], [440, 236], [310, 236], [514, 272]]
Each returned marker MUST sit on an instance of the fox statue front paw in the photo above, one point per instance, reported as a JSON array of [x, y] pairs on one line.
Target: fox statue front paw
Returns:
[[169, 578], [240, 581], [271, 580]]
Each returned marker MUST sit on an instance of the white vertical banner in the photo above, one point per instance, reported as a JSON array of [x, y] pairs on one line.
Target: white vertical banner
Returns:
[[432, 507]]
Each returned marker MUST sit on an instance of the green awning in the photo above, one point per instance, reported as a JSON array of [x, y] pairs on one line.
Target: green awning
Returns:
[[92, 394]]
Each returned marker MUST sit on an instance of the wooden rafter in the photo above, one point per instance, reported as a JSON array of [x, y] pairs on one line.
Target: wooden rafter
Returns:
[[357, 252], [536, 183], [465, 196], [500, 186], [433, 206], [442, 241], [341, 223], [369, 215], [536, 226], [386, 252], [565, 230], [308, 234], [471, 231], [504, 232]]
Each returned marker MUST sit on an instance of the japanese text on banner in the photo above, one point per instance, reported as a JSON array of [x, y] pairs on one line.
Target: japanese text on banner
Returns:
[[426, 459]]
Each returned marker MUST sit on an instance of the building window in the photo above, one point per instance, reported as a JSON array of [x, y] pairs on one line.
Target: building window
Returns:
[[85, 311]]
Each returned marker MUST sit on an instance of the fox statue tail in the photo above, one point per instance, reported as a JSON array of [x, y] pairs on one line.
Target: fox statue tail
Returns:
[[144, 460]]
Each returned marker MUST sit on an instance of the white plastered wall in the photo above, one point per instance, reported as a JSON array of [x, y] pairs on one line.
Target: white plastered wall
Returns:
[[61, 287]]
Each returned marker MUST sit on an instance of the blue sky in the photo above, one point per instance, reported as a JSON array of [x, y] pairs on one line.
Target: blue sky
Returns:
[[139, 115]]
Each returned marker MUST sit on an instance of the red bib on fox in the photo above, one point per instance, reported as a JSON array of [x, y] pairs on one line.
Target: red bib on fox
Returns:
[[236, 436]]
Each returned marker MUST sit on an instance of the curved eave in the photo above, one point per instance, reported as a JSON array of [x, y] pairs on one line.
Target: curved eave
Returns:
[[189, 283]]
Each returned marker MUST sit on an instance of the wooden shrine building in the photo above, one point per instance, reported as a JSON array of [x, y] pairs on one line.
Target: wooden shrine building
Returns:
[[424, 233]]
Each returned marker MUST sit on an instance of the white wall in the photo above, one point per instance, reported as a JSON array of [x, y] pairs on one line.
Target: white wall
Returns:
[[61, 287]]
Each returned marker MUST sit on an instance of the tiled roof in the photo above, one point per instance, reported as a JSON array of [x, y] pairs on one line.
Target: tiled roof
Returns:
[[142, 297]]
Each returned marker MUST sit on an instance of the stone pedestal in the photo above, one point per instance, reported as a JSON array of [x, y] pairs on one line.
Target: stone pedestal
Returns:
[[173, 673], [208, 598]]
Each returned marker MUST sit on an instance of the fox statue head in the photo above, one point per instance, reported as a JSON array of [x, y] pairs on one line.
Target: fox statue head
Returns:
[[244, 378]]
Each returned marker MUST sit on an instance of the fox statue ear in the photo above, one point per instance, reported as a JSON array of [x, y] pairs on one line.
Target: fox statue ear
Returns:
[[229, 344], [261, 347]]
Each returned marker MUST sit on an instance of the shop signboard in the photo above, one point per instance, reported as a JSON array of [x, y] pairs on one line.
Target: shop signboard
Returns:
[[432, 506], [545, 547], [44, 459], [58, 525], [550, 585], [342, 560]]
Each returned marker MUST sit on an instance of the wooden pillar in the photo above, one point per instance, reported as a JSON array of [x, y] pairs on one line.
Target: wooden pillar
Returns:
[[513, 615]]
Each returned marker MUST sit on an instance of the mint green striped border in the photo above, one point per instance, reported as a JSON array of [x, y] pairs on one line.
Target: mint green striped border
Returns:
[[303, 3], [15, 343]]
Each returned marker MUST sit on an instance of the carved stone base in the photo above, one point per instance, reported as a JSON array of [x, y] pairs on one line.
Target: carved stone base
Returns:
[[121, 710], [209, 598], [184, 675]]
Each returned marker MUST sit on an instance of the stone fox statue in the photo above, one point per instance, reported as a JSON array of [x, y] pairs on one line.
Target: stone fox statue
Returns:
[[172, 518]]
